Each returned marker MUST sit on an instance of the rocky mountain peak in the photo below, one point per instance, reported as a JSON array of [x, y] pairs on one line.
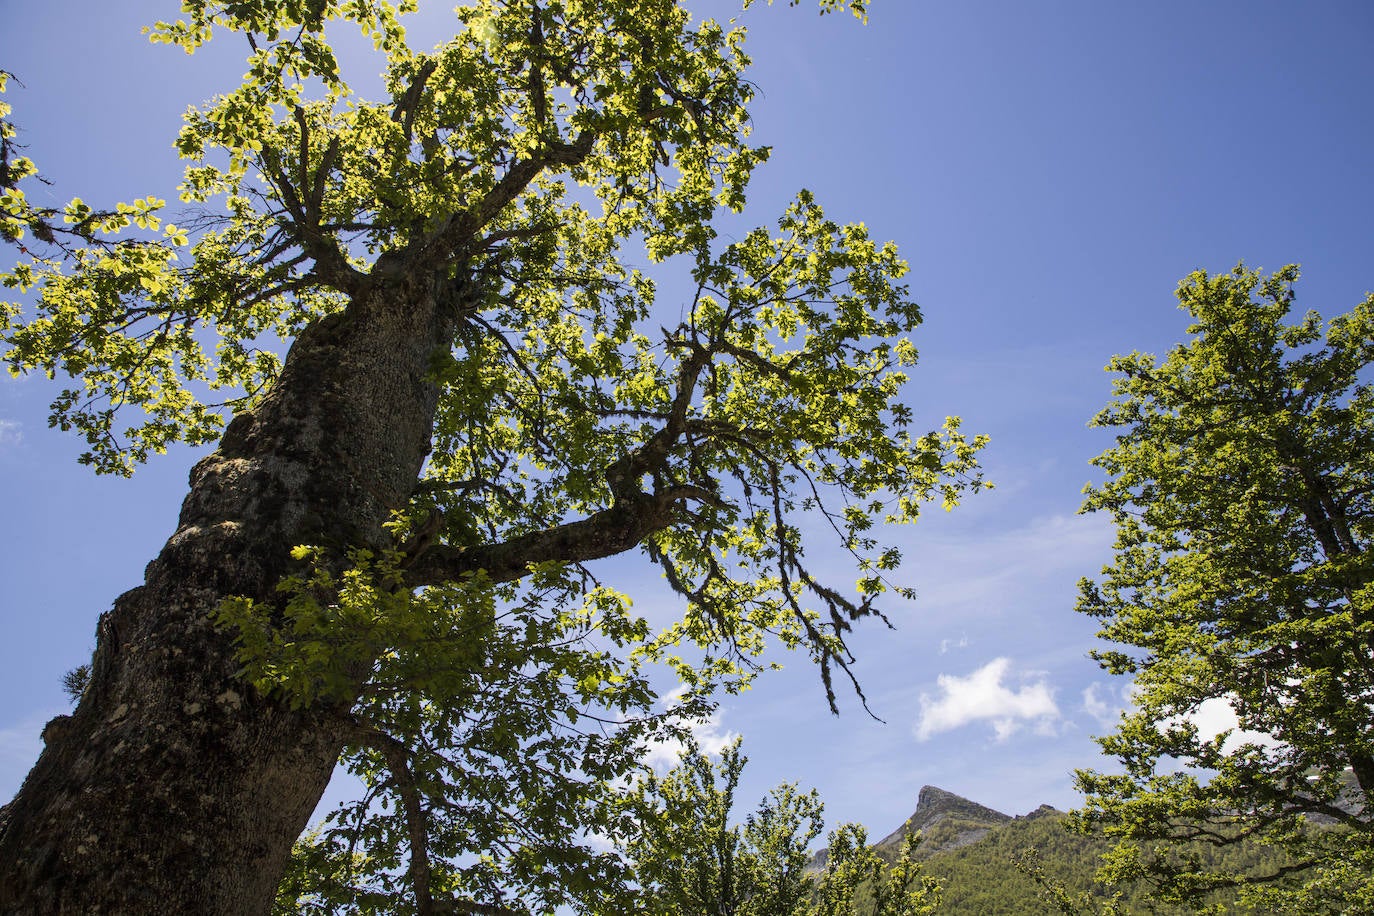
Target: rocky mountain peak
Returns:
[[1042, 811], [934, 807]]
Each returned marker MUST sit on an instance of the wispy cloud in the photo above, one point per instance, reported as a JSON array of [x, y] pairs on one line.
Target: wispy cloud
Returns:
[[11, 433], [1105, 702], [979, 574], [982, 696], [961, 643]]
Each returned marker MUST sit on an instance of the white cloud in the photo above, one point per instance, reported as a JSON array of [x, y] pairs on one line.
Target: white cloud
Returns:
[[663, 754], [982, 696], [1216, 715], [1212, 717], [11, 433]]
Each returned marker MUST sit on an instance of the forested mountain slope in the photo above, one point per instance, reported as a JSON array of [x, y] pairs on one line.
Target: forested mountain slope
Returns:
[[970, 849]]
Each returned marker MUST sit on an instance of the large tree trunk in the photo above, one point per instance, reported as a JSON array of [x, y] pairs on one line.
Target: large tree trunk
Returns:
[[173, 787]]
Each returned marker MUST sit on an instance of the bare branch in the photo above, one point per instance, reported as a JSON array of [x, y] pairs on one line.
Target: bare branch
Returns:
[[611, 531], [404, 112], [397, 756]]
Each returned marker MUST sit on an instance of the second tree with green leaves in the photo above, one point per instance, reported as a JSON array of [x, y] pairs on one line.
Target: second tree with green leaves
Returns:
[[1242, 489]]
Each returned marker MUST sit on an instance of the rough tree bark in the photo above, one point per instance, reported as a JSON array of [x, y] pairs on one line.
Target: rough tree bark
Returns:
[[172, 788]]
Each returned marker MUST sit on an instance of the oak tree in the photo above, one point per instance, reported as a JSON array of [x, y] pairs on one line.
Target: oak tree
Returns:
[[1242, 488], [440, 389]]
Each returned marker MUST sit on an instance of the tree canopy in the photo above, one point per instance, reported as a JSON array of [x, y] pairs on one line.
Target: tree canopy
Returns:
[[479, 395], [691, 859], [1242, 488]]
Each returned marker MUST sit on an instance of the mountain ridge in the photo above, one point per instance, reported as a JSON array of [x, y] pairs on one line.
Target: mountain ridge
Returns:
[[957, 820], [972, 850], [969, 848], [945, 821]]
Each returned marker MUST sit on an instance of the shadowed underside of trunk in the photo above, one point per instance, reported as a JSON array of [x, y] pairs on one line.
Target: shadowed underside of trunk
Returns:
[[173, 787]]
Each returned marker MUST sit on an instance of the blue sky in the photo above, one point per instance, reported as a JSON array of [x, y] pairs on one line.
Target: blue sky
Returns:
[[1050, 170]]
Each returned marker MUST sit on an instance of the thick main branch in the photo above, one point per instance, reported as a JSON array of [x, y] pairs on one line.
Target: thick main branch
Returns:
[[611, 531]]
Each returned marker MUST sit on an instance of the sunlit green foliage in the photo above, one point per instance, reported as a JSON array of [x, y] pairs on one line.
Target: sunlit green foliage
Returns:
[[492, 731], [690, 859], [1242, 488]]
